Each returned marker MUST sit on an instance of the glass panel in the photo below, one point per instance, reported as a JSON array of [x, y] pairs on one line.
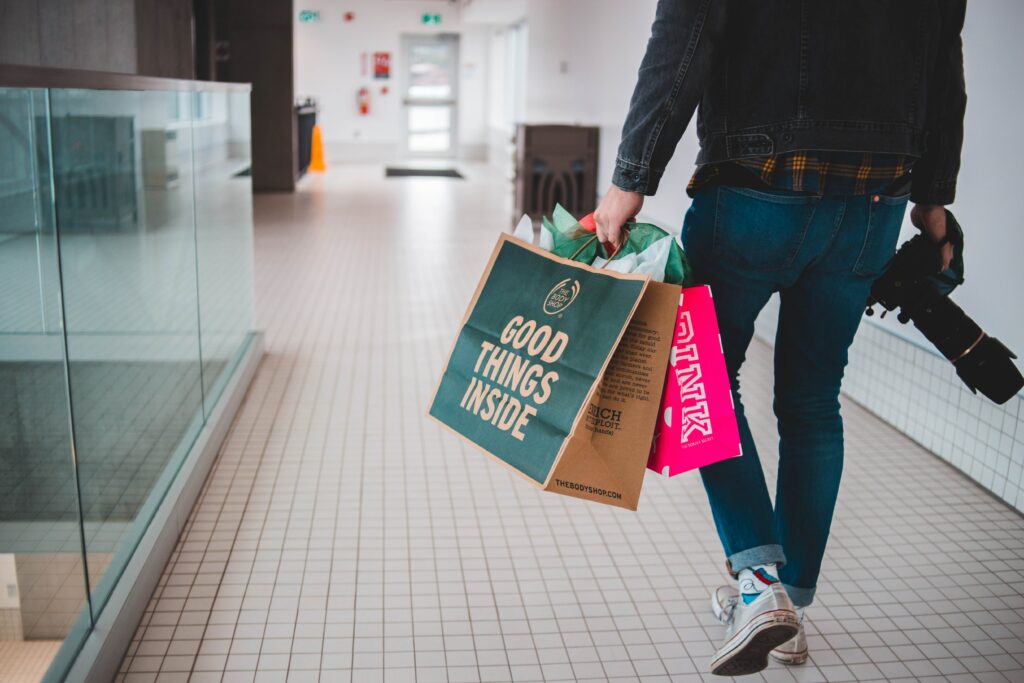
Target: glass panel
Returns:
[[105, 244], [431, 70], [124, 198], [223, 232], [430, 128], [42, 583]]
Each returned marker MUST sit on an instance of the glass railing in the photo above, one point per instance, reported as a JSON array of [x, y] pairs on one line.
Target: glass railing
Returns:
[[125, 302]]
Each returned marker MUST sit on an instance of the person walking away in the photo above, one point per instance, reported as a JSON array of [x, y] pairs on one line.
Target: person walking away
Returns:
[[818, 120]]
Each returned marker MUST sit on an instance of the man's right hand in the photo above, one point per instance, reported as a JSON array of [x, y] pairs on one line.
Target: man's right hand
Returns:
[[617, 208], [930, 219]]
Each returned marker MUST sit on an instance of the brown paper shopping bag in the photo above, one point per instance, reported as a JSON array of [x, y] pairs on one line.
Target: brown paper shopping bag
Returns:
[[557, 372], [601, 459]]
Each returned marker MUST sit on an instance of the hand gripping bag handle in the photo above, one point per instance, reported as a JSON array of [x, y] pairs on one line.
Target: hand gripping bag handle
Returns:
[[586, 244]]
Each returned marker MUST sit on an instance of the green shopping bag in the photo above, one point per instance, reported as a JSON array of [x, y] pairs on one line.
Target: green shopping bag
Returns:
[[521, 382]]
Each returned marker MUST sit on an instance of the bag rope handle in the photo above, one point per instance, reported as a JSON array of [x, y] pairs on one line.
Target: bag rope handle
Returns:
[[586, 244]]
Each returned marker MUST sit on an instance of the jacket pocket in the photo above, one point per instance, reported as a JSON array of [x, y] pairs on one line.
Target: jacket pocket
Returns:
[[760, 230], [885, 218]]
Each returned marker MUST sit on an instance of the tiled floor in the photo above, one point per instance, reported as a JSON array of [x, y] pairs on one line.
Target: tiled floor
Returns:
[[26, 661], [51, 592], [341, 536]]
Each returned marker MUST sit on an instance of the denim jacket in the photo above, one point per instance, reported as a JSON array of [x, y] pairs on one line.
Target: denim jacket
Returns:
[[771, 77]]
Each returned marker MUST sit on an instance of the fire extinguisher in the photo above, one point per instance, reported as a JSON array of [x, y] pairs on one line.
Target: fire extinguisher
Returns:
[[364, 101]]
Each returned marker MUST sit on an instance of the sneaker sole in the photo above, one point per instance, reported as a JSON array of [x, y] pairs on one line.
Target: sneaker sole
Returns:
[[790, 658], [747, 652]]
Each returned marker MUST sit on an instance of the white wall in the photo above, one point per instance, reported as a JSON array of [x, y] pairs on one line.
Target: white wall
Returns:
[[328, 67], [473, 100], [583, 61], [494, 12], [990, 196]]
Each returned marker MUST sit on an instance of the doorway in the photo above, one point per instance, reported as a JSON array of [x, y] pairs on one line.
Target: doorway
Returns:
[[430, 94]]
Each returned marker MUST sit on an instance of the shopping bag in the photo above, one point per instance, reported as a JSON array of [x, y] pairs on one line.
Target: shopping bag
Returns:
[[557, 372], [697, 421]]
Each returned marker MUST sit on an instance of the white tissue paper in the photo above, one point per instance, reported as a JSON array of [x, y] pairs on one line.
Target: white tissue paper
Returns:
[[626, 263], [524, 231], [651, 261], [547, 240]]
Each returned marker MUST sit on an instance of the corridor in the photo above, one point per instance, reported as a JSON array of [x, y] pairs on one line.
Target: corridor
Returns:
[[343, 536]]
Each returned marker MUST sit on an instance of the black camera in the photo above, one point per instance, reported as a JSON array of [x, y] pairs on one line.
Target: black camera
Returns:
[[913, 283]]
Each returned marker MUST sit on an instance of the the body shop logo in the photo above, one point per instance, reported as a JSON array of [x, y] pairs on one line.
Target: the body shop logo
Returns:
[[561, 296]]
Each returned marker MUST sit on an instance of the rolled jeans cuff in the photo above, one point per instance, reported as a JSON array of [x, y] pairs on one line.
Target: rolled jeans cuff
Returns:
[[801, 597], [762, 554]]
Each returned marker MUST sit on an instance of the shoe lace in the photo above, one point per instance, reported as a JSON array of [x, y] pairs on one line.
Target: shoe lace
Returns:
[[729, 608]]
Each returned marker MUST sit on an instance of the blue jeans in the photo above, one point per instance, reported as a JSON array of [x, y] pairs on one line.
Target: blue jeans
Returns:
[[821, 254]]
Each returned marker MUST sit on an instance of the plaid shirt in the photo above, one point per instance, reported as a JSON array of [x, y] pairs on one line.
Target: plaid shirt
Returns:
[[817, 172]]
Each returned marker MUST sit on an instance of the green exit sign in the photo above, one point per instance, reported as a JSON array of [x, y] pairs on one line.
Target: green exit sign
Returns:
[[309, 16], [431, 19]]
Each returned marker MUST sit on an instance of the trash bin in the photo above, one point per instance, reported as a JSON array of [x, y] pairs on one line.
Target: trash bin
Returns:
[[556, 164]]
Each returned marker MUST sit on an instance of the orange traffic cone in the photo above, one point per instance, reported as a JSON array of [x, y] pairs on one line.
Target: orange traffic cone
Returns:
[[316, 154]]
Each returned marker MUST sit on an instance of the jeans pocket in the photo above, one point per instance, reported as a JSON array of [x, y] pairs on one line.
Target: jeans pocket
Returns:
[[760, 230], [885, 218]]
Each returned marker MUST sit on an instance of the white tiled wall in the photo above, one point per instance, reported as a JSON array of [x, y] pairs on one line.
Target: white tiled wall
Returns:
[[10, 625], [918, 392]]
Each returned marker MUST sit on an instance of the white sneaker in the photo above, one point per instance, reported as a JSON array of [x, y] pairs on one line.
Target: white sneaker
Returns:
[[793, 651], [752, 630]]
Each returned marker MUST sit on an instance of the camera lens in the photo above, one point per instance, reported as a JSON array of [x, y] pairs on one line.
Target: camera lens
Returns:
[[990, 369]]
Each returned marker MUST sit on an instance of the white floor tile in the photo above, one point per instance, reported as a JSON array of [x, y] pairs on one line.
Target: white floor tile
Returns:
[[341, 536]]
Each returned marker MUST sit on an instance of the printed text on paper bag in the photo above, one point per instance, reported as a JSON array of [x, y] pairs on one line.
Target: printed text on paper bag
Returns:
[[686, 368], [625, 380], [510, 377]]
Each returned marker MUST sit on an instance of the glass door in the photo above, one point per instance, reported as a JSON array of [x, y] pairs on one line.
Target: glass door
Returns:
[[430, 94]]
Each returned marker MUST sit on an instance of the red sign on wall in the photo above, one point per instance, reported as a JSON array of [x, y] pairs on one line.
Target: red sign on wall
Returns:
[[382, 65]]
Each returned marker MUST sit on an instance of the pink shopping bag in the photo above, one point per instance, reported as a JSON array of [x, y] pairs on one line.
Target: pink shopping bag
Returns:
[[697, 422]]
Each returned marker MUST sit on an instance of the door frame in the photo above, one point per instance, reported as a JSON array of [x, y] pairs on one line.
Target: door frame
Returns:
[[407, 40]]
